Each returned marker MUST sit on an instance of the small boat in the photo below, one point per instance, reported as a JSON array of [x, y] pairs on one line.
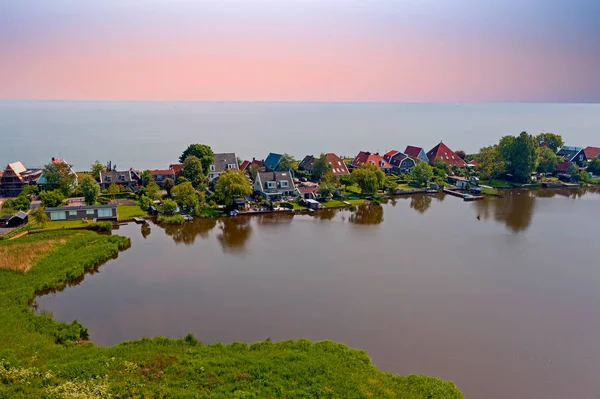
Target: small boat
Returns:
[[187, 218], [233, 212], [140, 220]]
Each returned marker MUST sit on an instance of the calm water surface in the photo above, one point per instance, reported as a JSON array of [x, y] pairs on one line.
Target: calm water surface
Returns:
[[505, 305]]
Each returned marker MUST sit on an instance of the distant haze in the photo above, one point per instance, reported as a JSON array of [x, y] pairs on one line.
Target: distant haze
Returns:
[[152, 135]]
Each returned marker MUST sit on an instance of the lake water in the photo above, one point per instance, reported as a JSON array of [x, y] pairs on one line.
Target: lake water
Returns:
[[152, 135], [500, 296]]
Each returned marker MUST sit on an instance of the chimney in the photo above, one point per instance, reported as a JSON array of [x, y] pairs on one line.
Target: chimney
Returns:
[[53, 159], [253, 159]]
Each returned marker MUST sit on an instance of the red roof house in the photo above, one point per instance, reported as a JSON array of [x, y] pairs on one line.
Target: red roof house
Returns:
[[364, 157], [177, 168], [338, 166], [592, 152], [564, 167], [416, 153], [244, 166], [441, 152]]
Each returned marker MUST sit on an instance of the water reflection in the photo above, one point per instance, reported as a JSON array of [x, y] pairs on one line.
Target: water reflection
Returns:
[[146, 230], [325, 214], [277, 219], [420, 203], [235, 233], [515, 210], [367, 214], [187, 233]]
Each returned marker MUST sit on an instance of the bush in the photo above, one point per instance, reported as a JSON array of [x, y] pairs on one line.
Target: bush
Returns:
[[209, 213], [100, 226], [51, 198], [286, 205], [171, 220], [169, 207]]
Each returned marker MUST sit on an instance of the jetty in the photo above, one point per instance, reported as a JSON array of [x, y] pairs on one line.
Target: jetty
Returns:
[[464, 196], [140, 220]]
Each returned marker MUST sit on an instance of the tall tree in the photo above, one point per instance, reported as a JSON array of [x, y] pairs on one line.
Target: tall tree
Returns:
[[326, 189], [90, 189], [320, 167], [491, 163], [553, 141], [594, 166], [59, 177], [421, 174], [153, 190], [185, 195], [147, 178], [96, 168], [168, 184], [193, 171], [369, 178], [39, 217], [461, 154], [52, 198], [520, 155], [231, 185], [285, 163], [114, 189], [201, 151], [547, 160], [169, 207]]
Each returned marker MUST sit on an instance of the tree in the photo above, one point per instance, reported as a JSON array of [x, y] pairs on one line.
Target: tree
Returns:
[[153, 191], [547, 160], [369, 178], [21, 203], [594, 166], [519, 155], [491, 163], [439, 164], [90, 189], [114, 189], [192, 170], [147, 178], [391, 184], [320, 167], [254, 169], [553, 141], [144, 202], [203, 152], [59, 177], [168, 184], [29, 191], [347, 180], [169, 207], [39, 216], [52, 198], [96, 168], [461, 154], [185, 195], [326, 189], [285, 163], [232, 184], [421, 174]]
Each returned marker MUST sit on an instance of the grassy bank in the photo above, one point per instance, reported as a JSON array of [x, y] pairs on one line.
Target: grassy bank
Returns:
[[126, 212], [40, 358]]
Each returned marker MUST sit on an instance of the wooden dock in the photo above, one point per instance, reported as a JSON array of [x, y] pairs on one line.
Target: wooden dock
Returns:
[[464, 196]]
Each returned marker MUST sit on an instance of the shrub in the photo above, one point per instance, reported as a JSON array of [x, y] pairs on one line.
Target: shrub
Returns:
[[286, 205], [100, 226], [171, 220], [169, 207]]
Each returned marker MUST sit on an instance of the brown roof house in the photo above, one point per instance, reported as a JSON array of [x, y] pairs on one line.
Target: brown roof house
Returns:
[[441, 152], [160, 175], [275, 186], [592, 152], [16, 176], [416, 152], [127, 179], [338, 166], [221, 163]]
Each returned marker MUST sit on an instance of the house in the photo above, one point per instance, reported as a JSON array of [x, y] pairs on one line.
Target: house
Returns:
[[275, 185], [338, 166], [441, 152], [160, 175], [308, 190], [127, 179], [222, 162], [311, 203], [416, 153], [401, 163], [41, 181], [244, 166], [572, 154], [16, 220], [365, 157], [98, 212], [272, 161], [16, 176], [461, 182], [177, 169], [590, 153], [565, 167], [472, 163]]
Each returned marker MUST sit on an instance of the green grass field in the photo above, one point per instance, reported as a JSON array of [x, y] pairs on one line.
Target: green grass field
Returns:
[[337, 203], [125, 212], [43, 358]]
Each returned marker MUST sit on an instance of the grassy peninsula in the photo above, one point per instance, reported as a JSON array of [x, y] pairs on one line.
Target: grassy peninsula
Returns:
[[43, 358]]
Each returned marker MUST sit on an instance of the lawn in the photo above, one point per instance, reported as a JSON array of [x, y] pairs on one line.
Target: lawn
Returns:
[[125, 212], [40, 357], [61, 224], [337, 203]]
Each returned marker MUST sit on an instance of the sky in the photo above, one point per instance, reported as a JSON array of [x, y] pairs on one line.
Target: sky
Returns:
[[301, 50]]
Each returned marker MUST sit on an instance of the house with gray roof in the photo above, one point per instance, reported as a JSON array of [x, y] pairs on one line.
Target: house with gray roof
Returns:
[[275, 186], [573, 154], [221, 163], [128, 179]]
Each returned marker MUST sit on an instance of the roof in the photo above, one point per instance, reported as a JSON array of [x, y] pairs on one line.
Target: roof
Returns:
[[265, 177], [473, 162], [244, 165], [364, 157], [115, 176], [442, 153], [162, 172], [307, 162], [569, 152], [563, 166], [338, 166], [308, 189], [177, 168], [17, 167], [390, 154], [590, 152], [20, 215], [6, 217], [272, 160], [256, 162], [412, 151], [85, 207], [397, 160], [223, 160]]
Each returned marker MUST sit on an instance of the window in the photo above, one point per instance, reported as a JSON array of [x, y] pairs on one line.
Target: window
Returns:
[[122, 177], [105, 213], [58, 215], [72, 213], [339, 163], [381, 163], [212, 168], [270, 184], [284, 183], [108, 178], [89, 212], [231, 166]]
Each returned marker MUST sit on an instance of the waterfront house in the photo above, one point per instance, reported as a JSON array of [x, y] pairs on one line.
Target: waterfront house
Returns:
[[592, 152], [573, 154], [461, 182], [160, 175], [41, 182], [565, 167], [442, 152], [98, 212], [308, 190], [338, 166], [365, 157], [16, 220], [16, 176], [272, 161], [401, 163], [275, 186], [244, 166], [222, 162], [416, 153], [177, 169], [127, 179]]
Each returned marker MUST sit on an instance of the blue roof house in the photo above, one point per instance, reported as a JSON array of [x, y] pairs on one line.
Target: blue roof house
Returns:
[[272, 161]]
